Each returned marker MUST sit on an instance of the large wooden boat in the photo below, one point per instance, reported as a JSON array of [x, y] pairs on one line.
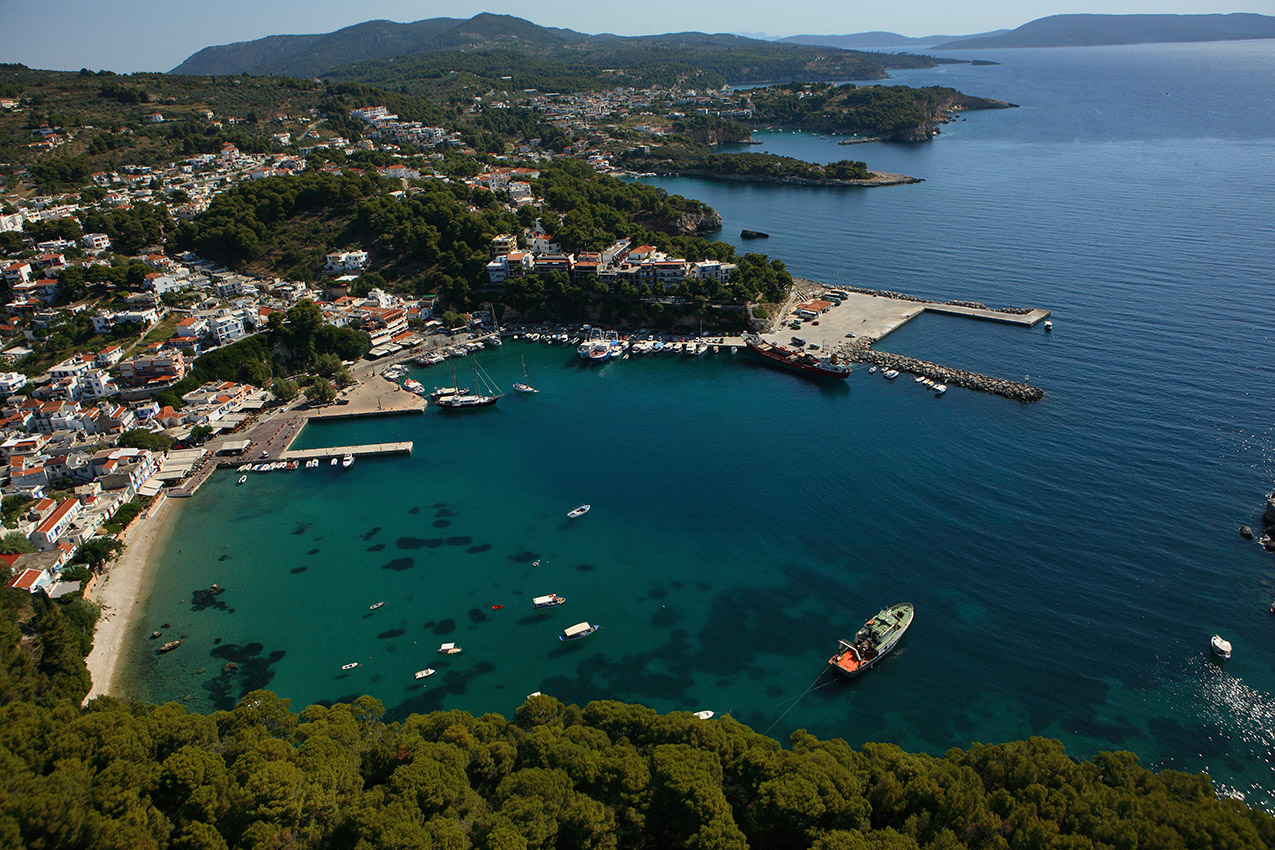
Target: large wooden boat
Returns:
[[874, 641], [797, 361]]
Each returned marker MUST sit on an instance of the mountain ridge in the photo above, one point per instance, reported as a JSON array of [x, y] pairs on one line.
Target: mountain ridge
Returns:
[[878, 38], [1096, 30]]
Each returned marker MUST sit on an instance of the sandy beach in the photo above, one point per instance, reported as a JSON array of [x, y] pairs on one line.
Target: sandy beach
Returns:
[[122, 591]]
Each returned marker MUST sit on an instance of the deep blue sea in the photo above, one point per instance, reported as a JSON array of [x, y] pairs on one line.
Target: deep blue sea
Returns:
[[1068, 559]]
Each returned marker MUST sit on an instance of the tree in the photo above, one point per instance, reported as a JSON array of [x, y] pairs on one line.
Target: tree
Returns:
[[284, 390], [343, 378], [140, 438], [15, 543], [321, 391], [200, 433], [96, 551], [327, 365]]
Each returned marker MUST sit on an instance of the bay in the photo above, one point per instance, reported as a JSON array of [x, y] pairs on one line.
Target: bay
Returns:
[[1068, 559]]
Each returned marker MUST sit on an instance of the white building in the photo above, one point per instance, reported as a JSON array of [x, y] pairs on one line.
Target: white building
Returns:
[[95, 241], [11, 382], [346, 261]]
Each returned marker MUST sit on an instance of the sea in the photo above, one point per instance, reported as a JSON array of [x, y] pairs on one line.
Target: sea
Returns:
[[1068, 560]]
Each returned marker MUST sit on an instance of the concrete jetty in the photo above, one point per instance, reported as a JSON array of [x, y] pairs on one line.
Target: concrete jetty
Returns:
[[365, 450]]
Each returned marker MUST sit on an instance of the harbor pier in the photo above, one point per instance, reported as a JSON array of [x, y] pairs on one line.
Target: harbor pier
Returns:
[[365, 450]]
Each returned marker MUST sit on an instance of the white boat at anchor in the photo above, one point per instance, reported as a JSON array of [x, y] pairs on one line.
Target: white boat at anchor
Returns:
[[579, 630], [243, 478], [350, 666], [553, 600], [424, 674], [704, 715], [1221, 646], [890, 374], [449, 649], [575, 513], [374, 606]]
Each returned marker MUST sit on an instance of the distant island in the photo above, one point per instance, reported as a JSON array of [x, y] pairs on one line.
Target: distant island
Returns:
[[1095, 30], [878, 39]]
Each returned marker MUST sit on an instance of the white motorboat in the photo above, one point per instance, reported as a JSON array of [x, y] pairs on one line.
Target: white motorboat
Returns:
[[423, 674], [553, 600], [579, 630], [1220, 646], [575, 513], [347, 461], [335, 461], [1049, 326], [524, 388], [890, 374], [350, 666], [374, 606], [703, 715], [734, 349], [449, 649], [243, 478], [939, 389], [872, 370]]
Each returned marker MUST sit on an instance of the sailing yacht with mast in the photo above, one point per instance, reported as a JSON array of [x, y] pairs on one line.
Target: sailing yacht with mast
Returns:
[[522, 386], [485, 394]]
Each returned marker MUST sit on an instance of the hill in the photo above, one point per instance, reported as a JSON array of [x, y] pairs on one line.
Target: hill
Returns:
[[1092, 30], [506, 51], [878, 39]]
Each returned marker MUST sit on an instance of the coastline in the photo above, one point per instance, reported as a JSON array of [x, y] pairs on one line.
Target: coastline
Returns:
[[879, 178], [119, 594]]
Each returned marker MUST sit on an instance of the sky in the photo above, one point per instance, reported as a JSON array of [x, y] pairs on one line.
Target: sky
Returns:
[[156, 35]]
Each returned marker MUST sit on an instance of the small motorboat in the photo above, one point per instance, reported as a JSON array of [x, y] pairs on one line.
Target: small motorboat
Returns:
[[1220, 646], [939, 389], [449, 649], [350, 666], [497, 607], [525, 388], [1049, 326], [553, 600], [156, 634], [347, 461], [243, 478], [423, 674], [872, 370], [578, 512], [173, 644], [703, 715], [579, 630], [374, 606], [890, 374], [734, 349], [335, 461]]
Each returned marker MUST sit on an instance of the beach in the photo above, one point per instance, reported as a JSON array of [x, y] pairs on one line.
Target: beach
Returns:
[[122, 589]]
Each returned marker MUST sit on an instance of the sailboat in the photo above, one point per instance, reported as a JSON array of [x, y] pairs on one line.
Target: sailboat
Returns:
[[487, 392], [521, 386]]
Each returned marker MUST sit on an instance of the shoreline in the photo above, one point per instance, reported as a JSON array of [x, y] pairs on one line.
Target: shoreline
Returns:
[[879, 178], [125, 587]]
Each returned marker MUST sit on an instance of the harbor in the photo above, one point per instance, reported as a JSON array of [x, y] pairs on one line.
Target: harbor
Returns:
[[337, 452]]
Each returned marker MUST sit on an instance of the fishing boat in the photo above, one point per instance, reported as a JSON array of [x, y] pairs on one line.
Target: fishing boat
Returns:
[[347, 461], [243, 478], [575, 513], [1220, 646], [350, 666], [488, 393], [374, 606], [874, 641], [579, 630], [799, 361], [553, 600], [449, 649], [414, 386], [426, 673]]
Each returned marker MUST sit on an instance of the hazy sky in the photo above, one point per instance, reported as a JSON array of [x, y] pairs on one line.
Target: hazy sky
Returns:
[[156, 35]]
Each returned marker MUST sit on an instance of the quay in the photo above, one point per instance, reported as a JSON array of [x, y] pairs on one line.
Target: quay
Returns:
[[365, 450]]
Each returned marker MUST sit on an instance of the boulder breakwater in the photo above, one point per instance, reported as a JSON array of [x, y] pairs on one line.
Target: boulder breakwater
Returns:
[[860, 351]]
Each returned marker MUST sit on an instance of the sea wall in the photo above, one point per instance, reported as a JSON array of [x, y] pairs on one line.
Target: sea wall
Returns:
[[1015, 390]]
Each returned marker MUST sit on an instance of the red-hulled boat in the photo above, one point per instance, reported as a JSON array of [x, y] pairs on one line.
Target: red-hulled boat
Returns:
[[798, 361]]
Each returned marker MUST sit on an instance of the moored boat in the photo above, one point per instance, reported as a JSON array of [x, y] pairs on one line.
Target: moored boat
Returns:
[[578, 512], [704, 715], [1221, 646], [519, 386], [449, 649], [374, 606], [874, 641], [799, 361], [426, 673], [243, 478], [579, 630], [170, 646], [347, 461], [553, 600], [350, 666], [890, 374]]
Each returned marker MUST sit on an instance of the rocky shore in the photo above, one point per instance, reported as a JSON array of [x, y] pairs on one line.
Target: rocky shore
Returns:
[[878, 178], [1268, 526]]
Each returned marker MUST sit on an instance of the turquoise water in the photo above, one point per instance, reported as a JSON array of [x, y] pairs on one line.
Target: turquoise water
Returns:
[[1068, 559]]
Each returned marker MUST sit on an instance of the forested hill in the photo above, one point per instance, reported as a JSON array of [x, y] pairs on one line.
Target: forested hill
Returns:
[[1084, 30], [501, 49]]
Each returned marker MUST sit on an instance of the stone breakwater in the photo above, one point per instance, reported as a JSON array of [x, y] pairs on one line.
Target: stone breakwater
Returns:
[[861, 351]]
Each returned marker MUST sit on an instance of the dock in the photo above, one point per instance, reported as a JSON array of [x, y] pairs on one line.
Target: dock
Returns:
[[1029, 319], [365, 450]]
